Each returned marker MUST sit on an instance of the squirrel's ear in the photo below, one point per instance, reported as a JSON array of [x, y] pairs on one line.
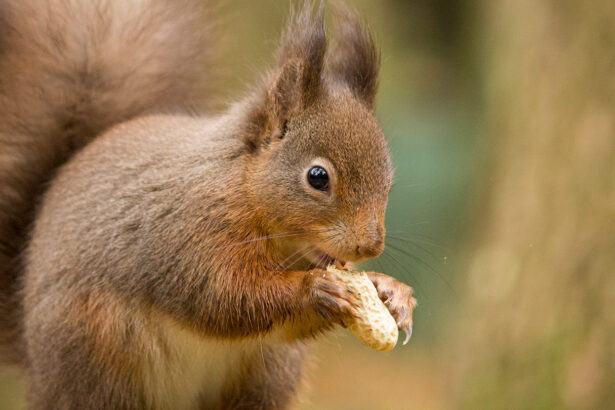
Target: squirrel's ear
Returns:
[[285, 94], [297, 81], [355, 60], [301, 58]]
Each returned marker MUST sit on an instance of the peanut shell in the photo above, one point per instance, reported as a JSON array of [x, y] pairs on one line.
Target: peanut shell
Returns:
[[378, 328]]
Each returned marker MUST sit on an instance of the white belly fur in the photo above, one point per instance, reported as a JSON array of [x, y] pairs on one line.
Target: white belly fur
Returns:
[[184, 369]]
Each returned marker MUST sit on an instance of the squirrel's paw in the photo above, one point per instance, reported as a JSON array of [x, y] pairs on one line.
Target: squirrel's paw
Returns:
[[331, 298], [398, 297]]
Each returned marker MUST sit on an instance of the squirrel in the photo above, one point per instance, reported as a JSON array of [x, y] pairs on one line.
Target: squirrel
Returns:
[[157, 256]]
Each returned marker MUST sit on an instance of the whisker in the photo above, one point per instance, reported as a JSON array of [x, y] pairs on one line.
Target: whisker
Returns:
[[430, 242], [281, 264], [426, 222], [298, 258], [419, 290], [413, 257], [425, 239], [380, 266], [395, 264], [425, 264], [321, 259], [267, 237], [411, 242]]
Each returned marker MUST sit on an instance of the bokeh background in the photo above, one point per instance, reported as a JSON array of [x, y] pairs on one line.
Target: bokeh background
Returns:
[[501, 121]]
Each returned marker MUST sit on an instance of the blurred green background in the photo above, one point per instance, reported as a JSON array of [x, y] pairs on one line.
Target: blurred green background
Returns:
[[500, 118]]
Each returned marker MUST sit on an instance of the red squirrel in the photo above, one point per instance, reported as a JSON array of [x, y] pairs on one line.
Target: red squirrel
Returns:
[[153, 258]]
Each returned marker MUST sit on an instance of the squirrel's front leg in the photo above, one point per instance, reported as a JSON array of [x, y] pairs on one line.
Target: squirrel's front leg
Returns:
[[310, 301], [302, 303], [326, 301], [399, 298]]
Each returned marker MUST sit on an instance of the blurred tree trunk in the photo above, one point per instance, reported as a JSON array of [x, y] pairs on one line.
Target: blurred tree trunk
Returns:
[[541, 291]]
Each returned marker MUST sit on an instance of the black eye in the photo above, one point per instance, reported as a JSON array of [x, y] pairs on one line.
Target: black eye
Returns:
[[318, 178]]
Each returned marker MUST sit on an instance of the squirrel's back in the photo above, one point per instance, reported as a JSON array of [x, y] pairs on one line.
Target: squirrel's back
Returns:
[[69, 70]]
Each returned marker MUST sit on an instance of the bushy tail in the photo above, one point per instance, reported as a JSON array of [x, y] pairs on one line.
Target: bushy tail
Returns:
[[70, 69]]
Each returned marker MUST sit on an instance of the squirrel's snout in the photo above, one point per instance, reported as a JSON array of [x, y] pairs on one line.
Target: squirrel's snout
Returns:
[[370, 233], [371, 248]]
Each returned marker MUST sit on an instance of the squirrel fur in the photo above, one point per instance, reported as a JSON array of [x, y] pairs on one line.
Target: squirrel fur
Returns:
[[155, 258]]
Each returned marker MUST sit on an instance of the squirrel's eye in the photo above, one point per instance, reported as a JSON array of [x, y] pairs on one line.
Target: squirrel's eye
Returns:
[[318, 178]]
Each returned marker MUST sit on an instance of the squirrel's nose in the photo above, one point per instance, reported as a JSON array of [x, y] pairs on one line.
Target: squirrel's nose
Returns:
[[371, 247], [369, 233]]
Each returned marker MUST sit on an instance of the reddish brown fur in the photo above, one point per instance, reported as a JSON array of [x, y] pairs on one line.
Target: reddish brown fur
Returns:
[[149, 238]]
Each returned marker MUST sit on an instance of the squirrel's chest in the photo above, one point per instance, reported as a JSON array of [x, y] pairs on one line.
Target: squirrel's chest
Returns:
[[187, 371]]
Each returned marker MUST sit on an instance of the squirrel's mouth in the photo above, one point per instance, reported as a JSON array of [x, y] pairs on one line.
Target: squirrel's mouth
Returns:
[[321, 259]]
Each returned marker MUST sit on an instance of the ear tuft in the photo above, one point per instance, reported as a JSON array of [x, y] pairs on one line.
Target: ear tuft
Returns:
[[355, 60], [297, 82], [304, 42]]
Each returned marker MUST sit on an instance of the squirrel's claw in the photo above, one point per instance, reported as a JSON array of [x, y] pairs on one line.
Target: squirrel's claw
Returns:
[[408, 331], [398, 298]]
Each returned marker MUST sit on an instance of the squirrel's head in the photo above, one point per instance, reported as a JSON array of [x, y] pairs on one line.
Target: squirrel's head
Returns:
[[320, 166]]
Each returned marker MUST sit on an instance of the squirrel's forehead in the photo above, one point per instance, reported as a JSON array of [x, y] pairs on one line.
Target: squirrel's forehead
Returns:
[[363, 169], [346, 123], [348, 134]]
